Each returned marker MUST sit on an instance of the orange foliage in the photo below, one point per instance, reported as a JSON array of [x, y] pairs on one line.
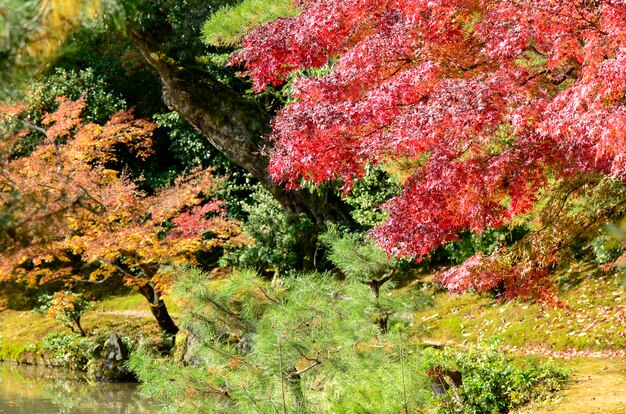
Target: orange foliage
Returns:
[[66, 215]]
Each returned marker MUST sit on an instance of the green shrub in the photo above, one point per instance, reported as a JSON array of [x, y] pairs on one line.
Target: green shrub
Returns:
[[278, 244], [66, 350], [188, 146], [606, 249], [492, 383], [368, 195]]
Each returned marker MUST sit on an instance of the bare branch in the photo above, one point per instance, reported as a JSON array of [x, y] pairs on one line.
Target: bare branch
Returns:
[[315, 363]]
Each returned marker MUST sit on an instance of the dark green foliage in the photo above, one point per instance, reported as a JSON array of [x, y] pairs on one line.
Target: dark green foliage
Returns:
[[281, 242], [492, 383], [619, 233], [179, 148], [368, 195], [100, 102], [103, 49], [188, 146], [190, 150], [471, 243], [177, 23]]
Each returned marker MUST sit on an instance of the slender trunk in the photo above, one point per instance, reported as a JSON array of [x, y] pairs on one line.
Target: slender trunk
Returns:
[[147, 289], [80, 328], [158, 309], [382, 318]]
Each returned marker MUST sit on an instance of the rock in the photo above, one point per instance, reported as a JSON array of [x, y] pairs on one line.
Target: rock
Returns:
[[116, 349], [184, 351], [110, 365]]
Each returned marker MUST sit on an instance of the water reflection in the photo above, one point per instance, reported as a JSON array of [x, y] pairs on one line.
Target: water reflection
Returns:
[[40, 390]]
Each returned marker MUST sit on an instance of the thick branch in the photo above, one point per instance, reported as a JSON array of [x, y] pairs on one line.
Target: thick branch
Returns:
[[375, 284], [232, 124]]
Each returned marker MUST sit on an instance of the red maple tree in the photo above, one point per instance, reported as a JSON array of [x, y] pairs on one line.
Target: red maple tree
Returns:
[[505, 108]]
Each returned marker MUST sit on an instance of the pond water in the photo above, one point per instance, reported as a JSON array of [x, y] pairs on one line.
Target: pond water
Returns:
[[40, 390]]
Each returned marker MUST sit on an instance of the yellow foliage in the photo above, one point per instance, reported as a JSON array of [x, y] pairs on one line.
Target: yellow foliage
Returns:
[[56, 19]]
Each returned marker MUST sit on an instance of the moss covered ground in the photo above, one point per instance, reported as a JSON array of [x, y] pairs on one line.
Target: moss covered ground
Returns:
[[21, 332], [589, 315], [584, 331]]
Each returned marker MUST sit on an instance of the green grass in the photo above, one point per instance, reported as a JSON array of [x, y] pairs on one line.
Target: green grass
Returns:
[[591, 316], [132, 302]]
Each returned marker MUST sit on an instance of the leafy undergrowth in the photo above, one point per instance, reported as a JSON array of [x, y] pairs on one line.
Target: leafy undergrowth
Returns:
[[591, 318], [22, 332]]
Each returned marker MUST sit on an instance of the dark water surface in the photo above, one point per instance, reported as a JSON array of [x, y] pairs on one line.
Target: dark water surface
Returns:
[[40, 390]]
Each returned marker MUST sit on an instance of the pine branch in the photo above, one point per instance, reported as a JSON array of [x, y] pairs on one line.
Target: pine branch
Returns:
[[316, 362], [267, 296]]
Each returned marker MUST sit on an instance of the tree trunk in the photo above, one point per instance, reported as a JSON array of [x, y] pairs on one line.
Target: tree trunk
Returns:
[[235, 126], [80, 328], [158, 309]]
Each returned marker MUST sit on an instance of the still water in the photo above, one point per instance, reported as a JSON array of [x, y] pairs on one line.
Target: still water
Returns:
[[40, 390]]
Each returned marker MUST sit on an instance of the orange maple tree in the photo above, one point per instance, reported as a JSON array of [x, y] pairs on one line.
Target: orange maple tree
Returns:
[[69, 214]]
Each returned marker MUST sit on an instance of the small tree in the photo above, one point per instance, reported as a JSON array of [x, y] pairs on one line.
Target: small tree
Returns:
[[70, 215], [300, 345], [67, 307], [361, 261]]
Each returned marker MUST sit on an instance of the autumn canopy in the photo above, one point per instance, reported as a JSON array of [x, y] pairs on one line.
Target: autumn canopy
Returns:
[[490, 102], [72, 216]]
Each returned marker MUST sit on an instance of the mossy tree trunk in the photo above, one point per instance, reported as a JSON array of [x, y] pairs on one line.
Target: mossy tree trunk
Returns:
[[235, 126]]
